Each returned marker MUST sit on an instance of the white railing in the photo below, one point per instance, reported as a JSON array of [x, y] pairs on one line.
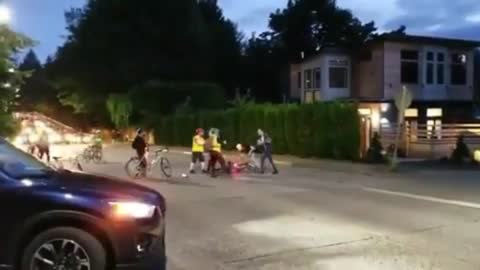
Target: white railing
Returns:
[[438, 139]]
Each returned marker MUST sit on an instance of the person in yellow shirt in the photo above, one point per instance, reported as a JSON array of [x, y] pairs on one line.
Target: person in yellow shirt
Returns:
[[198, 147], [215, 151]]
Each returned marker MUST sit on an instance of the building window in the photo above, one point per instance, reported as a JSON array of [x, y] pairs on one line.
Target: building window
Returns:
[[299, 80], [434, 112], [338, 77], [365, 111], [317, 95], [430, 67], [440, 73], [308, 98], [458, 74], [317, 79], [435, 73], [411, 113], [409, 66], [308, 79]]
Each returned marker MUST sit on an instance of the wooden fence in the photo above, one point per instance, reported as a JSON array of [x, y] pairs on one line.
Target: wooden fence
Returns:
[[433, 140]]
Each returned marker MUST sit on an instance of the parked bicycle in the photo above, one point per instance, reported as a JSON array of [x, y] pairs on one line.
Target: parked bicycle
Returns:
[[134, 168], [92, 153], [58, 163]]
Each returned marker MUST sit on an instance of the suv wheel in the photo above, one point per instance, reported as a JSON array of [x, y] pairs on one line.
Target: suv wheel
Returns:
[[64, 248]]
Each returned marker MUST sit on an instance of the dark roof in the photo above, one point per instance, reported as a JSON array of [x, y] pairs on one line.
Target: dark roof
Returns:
[[446, 42]]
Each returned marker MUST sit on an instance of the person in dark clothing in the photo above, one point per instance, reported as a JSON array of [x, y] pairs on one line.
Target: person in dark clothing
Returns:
[[43, 146], [265, 144], [140, 145]]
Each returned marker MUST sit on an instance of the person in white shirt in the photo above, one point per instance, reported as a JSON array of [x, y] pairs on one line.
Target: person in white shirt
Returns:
[[264, 142]]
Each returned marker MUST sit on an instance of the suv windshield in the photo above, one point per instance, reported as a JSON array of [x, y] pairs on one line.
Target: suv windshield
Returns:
[[18, 164]]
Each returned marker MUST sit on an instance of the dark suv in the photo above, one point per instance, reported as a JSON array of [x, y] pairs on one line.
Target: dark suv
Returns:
[[63, 220]]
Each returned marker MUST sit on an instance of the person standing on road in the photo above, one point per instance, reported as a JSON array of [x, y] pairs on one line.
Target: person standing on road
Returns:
[[44, 146], [198, 147], [215, 151], [140, 146], [265, 143]]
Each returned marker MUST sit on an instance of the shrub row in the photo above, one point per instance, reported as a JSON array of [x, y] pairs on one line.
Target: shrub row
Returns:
[[323, 130]]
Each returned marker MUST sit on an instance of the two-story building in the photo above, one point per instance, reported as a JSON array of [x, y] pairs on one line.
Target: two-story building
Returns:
[[439, 72]]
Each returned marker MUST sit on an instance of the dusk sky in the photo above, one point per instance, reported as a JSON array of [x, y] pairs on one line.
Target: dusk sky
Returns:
[[43, 20]]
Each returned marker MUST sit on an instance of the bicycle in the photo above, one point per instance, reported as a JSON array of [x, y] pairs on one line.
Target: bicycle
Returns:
[[57, 163], [92, 153], [251, 166], [134, 169]]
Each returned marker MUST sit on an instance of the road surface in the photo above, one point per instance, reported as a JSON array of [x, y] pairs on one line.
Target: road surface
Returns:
[[316, 219]]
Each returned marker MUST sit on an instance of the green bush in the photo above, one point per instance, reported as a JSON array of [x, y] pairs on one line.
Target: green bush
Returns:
[[9, 127], [291, 129], [163, 98], [323, 130]]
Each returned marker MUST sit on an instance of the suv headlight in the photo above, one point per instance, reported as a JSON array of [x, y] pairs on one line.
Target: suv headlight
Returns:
[[134, 210]]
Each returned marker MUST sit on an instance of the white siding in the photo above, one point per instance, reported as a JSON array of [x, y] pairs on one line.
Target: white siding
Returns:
[[325, 92], [392, 77]]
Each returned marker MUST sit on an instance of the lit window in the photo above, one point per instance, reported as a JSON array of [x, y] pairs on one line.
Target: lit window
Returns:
[[434, 112], [411, 113], [364, 111], [309, 96], [317, 95]]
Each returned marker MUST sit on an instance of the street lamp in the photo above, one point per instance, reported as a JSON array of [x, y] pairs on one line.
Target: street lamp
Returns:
[[5, 15]]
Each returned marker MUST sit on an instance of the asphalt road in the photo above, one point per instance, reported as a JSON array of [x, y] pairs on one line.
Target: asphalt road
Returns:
[[316, 219]]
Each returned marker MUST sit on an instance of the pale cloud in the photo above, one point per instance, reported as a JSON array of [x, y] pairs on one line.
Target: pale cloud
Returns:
[[473, 18], [434, 27], [380, 11], [454, 18], [251, 15]]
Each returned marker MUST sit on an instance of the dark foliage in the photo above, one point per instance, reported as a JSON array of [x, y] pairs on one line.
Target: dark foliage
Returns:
[[375, 152], [461, 153]]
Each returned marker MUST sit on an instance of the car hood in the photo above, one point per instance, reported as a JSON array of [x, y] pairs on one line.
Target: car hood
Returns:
[[105, 187]]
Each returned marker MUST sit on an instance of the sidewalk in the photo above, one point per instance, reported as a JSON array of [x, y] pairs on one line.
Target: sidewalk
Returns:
[[407, 167], [296, 162]]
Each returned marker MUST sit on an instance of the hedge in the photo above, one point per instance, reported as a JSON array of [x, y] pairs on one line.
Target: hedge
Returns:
[[322, 130]]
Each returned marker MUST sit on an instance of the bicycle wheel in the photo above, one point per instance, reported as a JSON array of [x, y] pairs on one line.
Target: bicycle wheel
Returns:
[[133, 168], [166, 167], [97, 156], [87, 155]]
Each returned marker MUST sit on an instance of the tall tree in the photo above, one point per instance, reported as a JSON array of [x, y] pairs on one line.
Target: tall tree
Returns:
[[308, 25], [30, 62], [114, 46], [10, 78], [36, 92], [225, 46], [299, 30]]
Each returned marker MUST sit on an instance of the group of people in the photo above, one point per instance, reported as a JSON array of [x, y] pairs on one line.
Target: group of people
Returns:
[[213, 145]]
